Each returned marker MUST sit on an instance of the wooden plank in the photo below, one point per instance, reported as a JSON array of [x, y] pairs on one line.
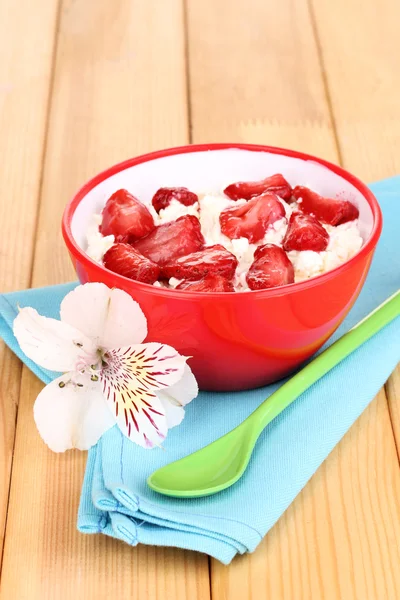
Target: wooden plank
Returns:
[[259, 79], [369, 145], [26, 51], [360, 50], [119, 90], [339, 539], [361, 62], [255, 75]]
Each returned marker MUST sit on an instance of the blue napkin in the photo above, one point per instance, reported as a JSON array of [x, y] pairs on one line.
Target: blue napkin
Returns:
[[115, 498]]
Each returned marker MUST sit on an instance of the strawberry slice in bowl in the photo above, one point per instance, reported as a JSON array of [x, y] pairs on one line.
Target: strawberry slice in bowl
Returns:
[[126, 218], [305, 232], [171, 240], [164, 196], [271, 268], [213, 260], [245, 190], [251, 220], [332, 211], [210, 283], [125, 260]]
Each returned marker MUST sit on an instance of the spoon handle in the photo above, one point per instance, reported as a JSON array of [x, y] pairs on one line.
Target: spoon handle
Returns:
[[339, 350]]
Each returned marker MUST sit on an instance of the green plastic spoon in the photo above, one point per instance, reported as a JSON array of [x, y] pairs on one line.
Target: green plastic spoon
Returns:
[[220, 464]]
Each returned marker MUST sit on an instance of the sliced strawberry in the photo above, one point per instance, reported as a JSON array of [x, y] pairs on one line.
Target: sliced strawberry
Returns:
[[171, 240], [214, 260], [276, 184], [125, 217], [305, 232], [162, 198], [125, 260], [329, 210], [251, 220], [210, 283], [271, 268]]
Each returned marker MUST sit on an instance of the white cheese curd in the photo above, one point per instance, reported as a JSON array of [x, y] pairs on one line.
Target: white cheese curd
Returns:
[[306, 264], [97, 244], [174, 282], [175, 210], [275, 233], [210, 209], [344, 241], [244, 252], [289, 208]]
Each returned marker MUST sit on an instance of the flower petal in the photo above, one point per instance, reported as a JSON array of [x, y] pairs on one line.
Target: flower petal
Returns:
[[141, 418], [130, 379], [174, 398], [70, 416], [50, 343], [108, 316], [143, 367]]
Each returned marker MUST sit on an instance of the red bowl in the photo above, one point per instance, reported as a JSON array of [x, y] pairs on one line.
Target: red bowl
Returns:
[[237, 340]]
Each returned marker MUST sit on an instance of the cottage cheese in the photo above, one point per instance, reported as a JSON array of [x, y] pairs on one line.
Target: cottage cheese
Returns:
[[97, 244], [173, 211], [345, 240]]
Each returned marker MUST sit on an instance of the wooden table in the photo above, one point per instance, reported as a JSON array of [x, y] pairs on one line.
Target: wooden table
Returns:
[[85, 84]]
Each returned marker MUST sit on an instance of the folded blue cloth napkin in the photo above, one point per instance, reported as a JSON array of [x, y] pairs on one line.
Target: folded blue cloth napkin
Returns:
[[115, 498]]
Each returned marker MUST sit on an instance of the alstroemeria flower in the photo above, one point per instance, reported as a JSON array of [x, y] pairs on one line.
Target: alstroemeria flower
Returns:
[[109, 375]]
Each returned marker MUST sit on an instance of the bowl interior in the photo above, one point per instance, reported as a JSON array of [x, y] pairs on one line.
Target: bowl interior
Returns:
[[210, 171]]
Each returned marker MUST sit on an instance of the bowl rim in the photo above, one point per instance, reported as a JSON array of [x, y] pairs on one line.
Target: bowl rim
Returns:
[[83, 258]]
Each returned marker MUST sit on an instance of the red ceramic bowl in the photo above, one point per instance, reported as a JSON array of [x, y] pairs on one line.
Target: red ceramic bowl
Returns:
[[237, 340]]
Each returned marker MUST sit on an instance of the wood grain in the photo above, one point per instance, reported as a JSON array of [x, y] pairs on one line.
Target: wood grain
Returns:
[[335, 541], [255, 76], [119, 90], [339, 539], [360, 49], [25, 77], [362, 65]]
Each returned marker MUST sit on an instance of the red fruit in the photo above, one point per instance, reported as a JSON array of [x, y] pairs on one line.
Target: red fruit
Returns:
[[276, 184], [214, 260], [210, 283], [171, 240], [329, 210], [251, 220], [271, 268], [305, 232], [125, 217], [125, 260], [163, 197]]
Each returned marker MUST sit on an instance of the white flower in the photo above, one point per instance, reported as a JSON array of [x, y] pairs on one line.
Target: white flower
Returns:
[[109, 375]]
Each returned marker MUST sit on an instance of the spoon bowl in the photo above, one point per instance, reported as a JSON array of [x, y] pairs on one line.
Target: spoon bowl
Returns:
[[209, 470]]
